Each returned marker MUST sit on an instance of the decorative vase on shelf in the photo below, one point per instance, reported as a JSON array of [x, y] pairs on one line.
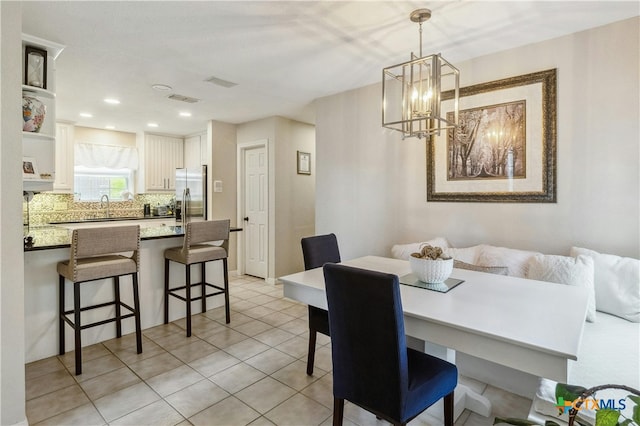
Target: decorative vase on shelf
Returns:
[[33, 112]]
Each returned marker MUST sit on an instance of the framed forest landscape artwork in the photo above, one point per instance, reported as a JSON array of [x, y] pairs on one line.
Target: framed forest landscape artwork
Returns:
[[504, 148]]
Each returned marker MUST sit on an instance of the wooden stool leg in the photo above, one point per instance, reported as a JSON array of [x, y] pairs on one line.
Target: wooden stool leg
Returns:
[[116, 291], [227, 310], [136, 307], [61, 325], [166, 291], [203, 274], [188, 297], [77, 327]]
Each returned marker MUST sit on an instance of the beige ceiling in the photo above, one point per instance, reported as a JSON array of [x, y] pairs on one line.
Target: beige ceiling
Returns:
[[282, 55]]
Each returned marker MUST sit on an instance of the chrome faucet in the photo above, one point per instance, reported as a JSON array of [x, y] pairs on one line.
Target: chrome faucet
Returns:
[[102, 200]]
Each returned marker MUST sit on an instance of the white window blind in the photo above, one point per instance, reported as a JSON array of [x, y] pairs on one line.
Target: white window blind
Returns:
[[104, 170], [105, 156]]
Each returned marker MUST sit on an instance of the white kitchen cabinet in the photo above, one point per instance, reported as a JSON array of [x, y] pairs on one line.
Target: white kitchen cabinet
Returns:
[[195, 151], [64, 158], [192, 151], [162, 156], [38, 148]]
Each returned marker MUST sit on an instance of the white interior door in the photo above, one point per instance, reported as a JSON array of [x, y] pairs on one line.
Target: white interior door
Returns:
[[255, 211]]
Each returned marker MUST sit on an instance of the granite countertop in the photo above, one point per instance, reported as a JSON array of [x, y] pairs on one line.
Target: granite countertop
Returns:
[[113, 219], [54, 237]]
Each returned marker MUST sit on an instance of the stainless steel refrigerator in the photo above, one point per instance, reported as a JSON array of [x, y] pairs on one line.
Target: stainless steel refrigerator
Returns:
[[191, 194]]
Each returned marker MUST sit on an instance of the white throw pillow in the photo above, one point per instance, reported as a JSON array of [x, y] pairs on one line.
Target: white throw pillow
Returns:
[[617, 283], [403, 251], [575, 271], [467, 254], [516, 260]]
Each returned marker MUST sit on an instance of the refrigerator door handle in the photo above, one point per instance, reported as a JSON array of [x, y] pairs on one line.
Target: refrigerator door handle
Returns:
[[186, 201]]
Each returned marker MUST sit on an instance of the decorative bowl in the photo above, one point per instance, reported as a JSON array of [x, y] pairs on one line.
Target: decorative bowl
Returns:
[[431, 271]]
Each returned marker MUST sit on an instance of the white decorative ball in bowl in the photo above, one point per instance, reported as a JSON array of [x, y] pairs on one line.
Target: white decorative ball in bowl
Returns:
[[430, 270]]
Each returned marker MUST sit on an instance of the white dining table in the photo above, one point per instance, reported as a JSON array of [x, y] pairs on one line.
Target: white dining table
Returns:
[[531, 326]]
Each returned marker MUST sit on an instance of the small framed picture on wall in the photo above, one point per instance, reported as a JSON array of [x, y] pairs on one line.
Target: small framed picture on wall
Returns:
[[304, 163]]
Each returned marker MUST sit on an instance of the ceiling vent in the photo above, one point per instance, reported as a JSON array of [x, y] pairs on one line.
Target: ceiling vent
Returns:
[[220, 82], [182, 98]]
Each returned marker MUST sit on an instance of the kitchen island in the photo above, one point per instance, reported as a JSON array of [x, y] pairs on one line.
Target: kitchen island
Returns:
[[51, 245]]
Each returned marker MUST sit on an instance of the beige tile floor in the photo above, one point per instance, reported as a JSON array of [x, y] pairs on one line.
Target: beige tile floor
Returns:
[[251, 371]]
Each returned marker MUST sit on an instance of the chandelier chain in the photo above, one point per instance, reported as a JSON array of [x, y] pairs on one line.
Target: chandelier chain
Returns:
[[420, 32]]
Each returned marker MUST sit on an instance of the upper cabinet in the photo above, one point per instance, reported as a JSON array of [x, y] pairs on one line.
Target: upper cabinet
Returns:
[[195, 151], [64, 158], [39, 113], [162, 156]]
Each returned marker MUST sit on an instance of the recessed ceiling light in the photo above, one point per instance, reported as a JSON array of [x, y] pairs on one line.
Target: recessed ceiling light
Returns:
[[112, 101], [185, 114], [109, 127], [161, 87], [86, 115], [152, 124]]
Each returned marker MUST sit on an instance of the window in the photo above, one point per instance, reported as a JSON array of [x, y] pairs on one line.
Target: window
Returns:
[[92, 183]]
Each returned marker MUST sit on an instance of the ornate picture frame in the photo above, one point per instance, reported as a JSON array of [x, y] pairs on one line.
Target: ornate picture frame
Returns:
[[504, 149]]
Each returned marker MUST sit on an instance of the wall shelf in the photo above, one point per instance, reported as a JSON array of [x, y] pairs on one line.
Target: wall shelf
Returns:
[[41, 145], [42, 136], [37, 185], [37, 91]]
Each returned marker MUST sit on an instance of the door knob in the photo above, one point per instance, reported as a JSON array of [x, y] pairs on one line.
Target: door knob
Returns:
[[246, 219]]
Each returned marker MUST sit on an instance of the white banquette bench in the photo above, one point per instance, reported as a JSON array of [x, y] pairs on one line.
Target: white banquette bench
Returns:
[[610, 347]]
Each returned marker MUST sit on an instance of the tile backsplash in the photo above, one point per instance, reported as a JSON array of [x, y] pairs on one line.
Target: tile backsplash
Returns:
[[45, 208]]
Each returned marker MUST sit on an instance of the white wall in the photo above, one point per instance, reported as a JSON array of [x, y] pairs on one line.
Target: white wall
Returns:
[[295, 194], [256, 131], [103, 137], [12, 378], [291, 196], [371, 186], [223, 167]]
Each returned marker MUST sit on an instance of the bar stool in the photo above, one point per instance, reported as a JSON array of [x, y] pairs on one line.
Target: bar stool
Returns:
[[96, 254], [193, 252]]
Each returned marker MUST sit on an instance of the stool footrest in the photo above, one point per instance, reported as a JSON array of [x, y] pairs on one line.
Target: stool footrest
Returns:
[[195, 285], [107, 321], [94, 324], [87, 308]]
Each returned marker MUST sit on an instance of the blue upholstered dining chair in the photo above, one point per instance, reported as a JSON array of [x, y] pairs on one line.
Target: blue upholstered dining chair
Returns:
[[317, 251], [372, 366]]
